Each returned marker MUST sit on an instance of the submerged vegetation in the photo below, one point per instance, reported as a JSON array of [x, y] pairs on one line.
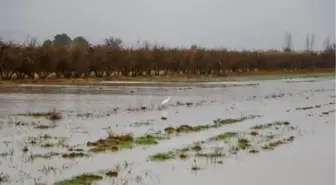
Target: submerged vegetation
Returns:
[[162, 156], [52, 115], [233, 142], [80, 180], [216, 124], [113, 142], [46, 141], [117, 141]]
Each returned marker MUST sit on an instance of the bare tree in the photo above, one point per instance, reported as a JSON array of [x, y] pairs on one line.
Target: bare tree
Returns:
[[288, 42], [312, 41], [309, 42], [115, 42], [326, 44]]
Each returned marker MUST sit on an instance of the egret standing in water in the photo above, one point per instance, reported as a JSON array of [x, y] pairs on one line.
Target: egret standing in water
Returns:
[[164, 102]]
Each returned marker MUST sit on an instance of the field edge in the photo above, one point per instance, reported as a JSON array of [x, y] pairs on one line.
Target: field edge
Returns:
[[235, 77]]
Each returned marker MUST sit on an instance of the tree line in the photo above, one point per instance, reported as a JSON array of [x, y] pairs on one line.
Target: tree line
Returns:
[[64, 57]]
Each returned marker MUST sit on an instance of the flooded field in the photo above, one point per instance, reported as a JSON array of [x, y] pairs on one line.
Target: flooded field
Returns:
[[256, 132]]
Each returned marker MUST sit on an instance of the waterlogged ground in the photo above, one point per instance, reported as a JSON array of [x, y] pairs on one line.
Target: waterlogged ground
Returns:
[[257, 132]]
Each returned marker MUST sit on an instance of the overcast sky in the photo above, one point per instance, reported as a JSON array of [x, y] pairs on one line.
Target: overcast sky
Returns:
[[234, 24]]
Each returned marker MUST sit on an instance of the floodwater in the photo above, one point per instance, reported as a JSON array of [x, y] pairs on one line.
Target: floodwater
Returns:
[[89, 111]]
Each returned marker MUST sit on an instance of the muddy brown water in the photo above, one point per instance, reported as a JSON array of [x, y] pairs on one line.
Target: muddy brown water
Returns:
[[309, 160]]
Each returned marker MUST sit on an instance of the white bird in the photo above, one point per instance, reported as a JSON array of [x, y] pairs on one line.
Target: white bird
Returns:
[[164, 102]]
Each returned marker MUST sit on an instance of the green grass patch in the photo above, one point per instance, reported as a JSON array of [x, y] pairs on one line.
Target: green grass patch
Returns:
[[162, 156], [126, 141], [269, 125], [52, 114], [149, 139], [36, 114], [80, 180], [45, 126], [224, 136], [216, 124], [249, 141]]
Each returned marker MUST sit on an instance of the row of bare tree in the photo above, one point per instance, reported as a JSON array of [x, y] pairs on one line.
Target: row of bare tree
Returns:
[[35, 61]]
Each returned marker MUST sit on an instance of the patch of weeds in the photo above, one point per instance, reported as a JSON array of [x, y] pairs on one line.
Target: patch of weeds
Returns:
[[25, 149], [43, 156], [232, 121], [238, 143], [283, 123], [47, 145], [46, 141], [4, 178], [60, 142], [113, 142], [243, 143], [195, 168], [225, 136], [162, 156], [47, 169], [270, 125], [149, 139], [170, 130], [88, 115], [74, 155], [142, 123], [196, 147], [80, 180], [274, 144], [112, 173], [142, 108], [115, 171], [233, 150], [331, 103], [21, 123], [75, 150], [55, 115], [52, 115], [214, 154], [4, 154], [126, 145], [45, 126], [254, 133], [263, 126], [253, 151], [36, 114], [216, 124], [269, 137], [183, 156], [279, 95], [309, 107], [289, 139], [304, 108], [328, 112]]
